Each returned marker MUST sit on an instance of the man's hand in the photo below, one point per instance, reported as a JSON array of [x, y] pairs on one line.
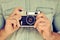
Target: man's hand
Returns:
[[42, 22], [12, 24], [43, 25]]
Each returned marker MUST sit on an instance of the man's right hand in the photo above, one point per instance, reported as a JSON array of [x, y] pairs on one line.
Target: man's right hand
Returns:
[[12, 23]]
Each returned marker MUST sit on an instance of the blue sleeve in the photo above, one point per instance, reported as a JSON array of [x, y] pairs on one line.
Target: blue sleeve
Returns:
[[1, 18]]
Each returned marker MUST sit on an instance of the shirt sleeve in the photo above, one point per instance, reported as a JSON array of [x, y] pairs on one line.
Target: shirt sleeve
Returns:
[[1, 17]]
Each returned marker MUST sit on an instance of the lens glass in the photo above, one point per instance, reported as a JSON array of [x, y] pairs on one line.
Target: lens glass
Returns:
[[30, 19]]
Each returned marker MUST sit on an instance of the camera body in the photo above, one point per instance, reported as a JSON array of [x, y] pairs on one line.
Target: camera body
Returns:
[[28, 20]]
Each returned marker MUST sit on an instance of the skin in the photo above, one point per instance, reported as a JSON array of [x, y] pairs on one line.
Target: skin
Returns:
[[12, 24], [42, 24]]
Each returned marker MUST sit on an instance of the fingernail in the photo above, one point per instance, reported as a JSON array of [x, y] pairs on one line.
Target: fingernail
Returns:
[[42, 31], [34, 26], [16, 26], [20, 10], [20, 18], [12, 25], [15, 14], [41, 16]]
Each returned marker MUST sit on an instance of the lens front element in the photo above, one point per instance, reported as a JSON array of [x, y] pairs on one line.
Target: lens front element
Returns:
[[30, 20]]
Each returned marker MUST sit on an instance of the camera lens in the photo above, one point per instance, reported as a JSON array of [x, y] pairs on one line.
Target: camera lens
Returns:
[[30, 20]]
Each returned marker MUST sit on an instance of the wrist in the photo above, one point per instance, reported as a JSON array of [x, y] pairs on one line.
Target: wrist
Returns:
[[3, 35]]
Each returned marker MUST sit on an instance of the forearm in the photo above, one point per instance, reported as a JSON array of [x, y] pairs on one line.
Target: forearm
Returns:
[[3, 35], [56, 36], [52, 36]]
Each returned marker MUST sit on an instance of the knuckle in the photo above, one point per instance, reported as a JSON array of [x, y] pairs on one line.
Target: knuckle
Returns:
[[18, 8]]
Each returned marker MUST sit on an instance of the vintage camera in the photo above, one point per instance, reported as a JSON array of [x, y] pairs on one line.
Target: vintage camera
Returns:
[[29, 19]]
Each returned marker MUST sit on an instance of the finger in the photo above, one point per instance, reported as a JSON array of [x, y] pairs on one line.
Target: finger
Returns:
[[10, 24], [39, 20], [41, 15], [16, 17], [18, 24], [40, 30], [41, 25], [42, 22], [16, 11], [13, 23], [16, 14]]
